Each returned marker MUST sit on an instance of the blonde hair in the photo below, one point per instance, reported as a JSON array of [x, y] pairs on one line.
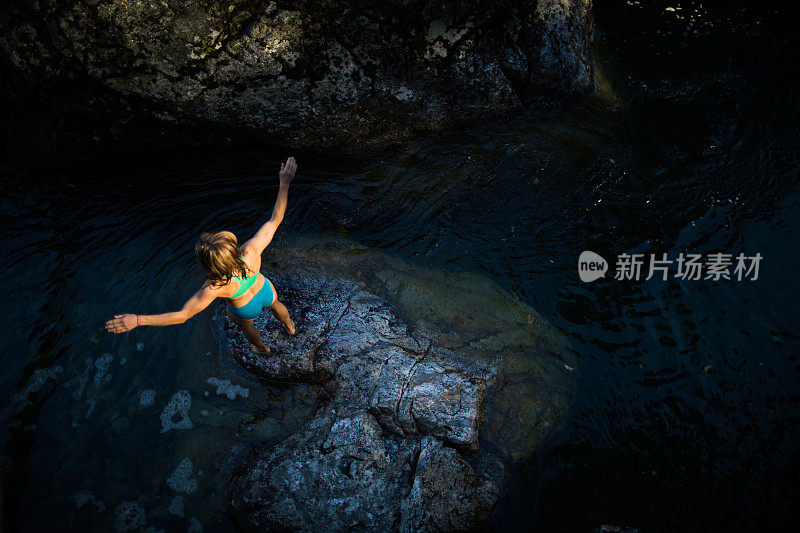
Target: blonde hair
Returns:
[[219, 256]]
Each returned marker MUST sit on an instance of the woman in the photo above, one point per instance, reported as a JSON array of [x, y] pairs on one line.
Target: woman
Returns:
[[234, 274]]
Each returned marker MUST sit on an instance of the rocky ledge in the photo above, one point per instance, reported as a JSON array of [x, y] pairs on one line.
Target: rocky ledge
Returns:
[[306, 73], [395, 444]]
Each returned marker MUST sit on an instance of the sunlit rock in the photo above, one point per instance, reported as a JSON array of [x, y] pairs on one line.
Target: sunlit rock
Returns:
[[446, 494], [431, 383], [355, 460]]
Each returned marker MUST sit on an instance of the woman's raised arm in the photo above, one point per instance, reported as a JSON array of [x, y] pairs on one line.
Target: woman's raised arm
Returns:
[[264, 235], [199, 301]]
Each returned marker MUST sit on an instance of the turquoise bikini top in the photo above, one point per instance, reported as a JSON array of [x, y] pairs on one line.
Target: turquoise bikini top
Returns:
[[244, 284]]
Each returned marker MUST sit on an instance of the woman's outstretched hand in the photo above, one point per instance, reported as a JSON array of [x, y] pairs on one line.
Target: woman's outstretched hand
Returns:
[[122, 323], [287, 171]]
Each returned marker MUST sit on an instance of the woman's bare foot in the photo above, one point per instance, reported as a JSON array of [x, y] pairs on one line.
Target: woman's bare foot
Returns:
[[254, 349], [291, 330]]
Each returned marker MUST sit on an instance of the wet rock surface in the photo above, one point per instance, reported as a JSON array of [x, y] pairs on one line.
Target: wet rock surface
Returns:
[[395, 444], [309, 73]]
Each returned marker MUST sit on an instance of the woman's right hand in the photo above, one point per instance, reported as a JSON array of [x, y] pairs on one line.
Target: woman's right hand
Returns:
[[288, 169], [122, 323]]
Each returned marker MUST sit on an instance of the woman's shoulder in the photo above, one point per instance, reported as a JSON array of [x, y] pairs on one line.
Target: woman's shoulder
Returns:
[[219, 289], [247, 250], [251, 258]]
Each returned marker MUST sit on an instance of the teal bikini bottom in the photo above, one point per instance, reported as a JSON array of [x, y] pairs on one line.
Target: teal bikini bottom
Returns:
[[260, 301]]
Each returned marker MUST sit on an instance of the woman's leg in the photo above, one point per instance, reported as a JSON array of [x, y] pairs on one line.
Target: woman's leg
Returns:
[[250, 332], [280, 312]]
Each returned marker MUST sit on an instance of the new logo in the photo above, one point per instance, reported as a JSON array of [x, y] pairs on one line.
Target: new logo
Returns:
[[591, 266]]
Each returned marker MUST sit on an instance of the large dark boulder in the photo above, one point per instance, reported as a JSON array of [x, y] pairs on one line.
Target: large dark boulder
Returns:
[[394, 446], [321, 73], [433, 388]]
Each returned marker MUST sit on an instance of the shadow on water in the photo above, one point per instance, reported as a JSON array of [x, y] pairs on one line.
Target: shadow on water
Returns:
[[686, 411]]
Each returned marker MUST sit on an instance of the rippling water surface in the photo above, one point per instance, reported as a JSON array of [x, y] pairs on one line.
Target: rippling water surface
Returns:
[[686, 414]]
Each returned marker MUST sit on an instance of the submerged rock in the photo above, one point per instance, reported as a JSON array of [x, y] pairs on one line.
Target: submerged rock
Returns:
[[39, 378], [310, 72], [129, 516], [79, 381], [120, 425], [176, 506], [180, 480], [147, 397], [225, 387], [178, 406], [84, 497], [195, 526], [392, 446], [102, 364]]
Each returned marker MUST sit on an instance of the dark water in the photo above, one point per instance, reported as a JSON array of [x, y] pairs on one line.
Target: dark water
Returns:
[[686, 415]]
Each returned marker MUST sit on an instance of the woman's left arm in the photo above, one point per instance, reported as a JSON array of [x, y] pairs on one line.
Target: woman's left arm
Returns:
[[263, 236], [199, 301]]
